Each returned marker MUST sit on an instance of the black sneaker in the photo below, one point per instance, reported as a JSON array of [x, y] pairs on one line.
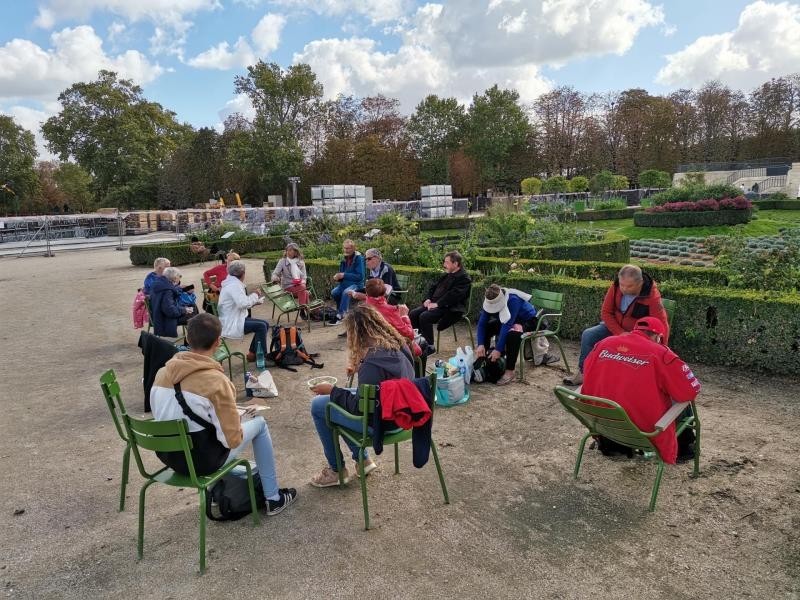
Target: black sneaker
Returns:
[[428, 350], [287, 496]]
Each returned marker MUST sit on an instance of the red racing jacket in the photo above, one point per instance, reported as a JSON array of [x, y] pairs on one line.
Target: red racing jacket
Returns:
[[644, 378]]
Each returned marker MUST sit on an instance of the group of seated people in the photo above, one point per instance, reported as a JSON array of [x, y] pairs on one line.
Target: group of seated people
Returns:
[[624, 357]]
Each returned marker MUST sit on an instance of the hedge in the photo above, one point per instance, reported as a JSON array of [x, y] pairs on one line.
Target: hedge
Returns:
[[777, 204], [606, 215], [691, 218], [179, 253], [614, 248], [604, 271], [443, 223], [712, 325]]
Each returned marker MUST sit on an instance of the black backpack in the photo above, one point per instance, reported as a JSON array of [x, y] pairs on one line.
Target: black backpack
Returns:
[[230, 498], [287, 349], [486, 371]]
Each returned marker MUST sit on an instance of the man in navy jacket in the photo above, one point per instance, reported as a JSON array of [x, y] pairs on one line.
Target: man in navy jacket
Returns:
[[350, 278]]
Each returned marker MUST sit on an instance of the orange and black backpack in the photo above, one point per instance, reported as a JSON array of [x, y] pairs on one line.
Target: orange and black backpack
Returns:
[[287, 349]]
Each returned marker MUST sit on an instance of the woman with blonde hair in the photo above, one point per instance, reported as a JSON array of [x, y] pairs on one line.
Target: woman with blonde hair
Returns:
[[379, 353], [290, 272]]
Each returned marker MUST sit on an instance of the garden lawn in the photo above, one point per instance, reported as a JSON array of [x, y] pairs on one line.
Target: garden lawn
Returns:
[[766, 222]]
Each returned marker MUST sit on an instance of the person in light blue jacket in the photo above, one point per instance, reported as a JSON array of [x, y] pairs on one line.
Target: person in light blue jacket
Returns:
[[349, 278]]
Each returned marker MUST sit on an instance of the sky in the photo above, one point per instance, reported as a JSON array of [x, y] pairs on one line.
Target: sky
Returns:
[[186, 53]]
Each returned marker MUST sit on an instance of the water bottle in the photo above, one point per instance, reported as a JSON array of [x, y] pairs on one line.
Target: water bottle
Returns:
[[248, 391], [260, 362], [439, 365]]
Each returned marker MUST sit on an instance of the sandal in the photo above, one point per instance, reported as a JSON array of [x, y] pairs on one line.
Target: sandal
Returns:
[[505, 379]]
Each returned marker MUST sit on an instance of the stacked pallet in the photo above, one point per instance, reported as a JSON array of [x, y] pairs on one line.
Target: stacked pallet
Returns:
[[346, 202], [436, 201]]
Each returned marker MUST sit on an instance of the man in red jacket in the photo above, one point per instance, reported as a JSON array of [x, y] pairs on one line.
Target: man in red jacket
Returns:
[[640, 373], [632, 295]]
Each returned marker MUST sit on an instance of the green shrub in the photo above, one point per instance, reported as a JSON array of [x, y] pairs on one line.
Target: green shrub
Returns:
[[503, 227], [613, 248], [555, 184], [767, 268], [179, 253], [653, 178], [601, 182], [621, 182], [396, 223], [694, 192], [579, 183], [531, 186], [613, 203], [692, 219], [777, 204], [444, 223]]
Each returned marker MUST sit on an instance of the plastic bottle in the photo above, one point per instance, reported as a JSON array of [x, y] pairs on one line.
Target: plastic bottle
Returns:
[[260, 362], [248, 391]]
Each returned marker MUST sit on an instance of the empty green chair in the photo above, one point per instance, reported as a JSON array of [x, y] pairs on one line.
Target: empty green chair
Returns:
[[607, 418], [549, 305], [111, 392], [173, 436], [223, 352], [366, 405]]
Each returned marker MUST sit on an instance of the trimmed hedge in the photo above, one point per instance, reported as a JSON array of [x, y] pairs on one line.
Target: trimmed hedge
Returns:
[[614, 248], [604, 271], [692, 218], [443, 223], [606, 215], [777, 204], [179, 253], [712, 325]]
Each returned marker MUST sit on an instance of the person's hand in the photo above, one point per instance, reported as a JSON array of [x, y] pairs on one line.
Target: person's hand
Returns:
[[358, 296], [480, 351], [402, 310], [338, 277], [322, 389], [275, 279], [433, 306], [249, 413], [494, 356], [350, 370], [188, 310], [425, 304]]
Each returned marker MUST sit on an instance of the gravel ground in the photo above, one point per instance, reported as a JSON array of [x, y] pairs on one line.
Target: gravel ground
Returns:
[[518, 527]]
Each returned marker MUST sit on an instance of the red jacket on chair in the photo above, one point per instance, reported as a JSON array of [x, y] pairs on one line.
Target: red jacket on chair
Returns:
[[403, 403]]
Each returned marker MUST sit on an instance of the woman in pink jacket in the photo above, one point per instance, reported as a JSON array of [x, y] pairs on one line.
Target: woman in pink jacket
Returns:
[[396, 316]]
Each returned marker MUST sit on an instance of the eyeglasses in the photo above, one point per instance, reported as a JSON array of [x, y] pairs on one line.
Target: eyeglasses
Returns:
[[371, 257]]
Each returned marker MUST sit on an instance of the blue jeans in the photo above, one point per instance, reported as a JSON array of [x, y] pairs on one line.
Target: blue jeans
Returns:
[[589, 337], [255, 431], [259, 327], [325, 433], [341, 297]]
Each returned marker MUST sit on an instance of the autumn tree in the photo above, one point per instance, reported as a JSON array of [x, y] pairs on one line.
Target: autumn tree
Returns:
[[436, 130]]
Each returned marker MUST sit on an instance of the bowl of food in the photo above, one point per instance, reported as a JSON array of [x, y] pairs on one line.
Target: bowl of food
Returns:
[[315, 381]]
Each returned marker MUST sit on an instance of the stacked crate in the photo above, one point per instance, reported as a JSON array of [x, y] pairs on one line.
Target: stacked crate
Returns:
[[346, 202], [436, 201]]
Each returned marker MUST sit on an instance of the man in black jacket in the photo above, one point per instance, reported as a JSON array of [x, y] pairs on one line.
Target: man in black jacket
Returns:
[[446, 302]]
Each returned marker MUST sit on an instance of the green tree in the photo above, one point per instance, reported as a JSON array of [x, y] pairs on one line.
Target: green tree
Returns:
[[555, 184], [117, 136], [602, 181], [497, 129], [653, 178], [436, 130], [18, 178], [621, 182], [76, 185], [579, 183], [194, 171], [286, 105], [531, 186]]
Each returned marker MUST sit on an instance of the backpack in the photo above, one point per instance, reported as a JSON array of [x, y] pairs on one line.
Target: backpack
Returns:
[[287, 349], [323, 313], [231, 498], [486, 371]]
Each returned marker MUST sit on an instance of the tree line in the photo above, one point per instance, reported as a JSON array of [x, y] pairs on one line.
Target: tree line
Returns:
[[117, 148]]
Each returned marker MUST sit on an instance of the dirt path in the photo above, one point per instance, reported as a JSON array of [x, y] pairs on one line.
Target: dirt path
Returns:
[[518, 525]]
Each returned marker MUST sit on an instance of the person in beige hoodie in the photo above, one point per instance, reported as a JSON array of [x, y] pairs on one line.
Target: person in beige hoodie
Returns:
[[220, 435]]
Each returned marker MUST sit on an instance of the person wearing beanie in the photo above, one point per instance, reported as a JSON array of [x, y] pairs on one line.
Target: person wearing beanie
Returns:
[[506, 314]]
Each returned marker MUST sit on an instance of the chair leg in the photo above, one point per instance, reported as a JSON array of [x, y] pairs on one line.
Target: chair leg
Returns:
[[251, 490], [396, 460], [563, 355], [363, 480], [697, 445], [469, 329], [580, 455], [140, 539], [202, 493], [338, 456], [656, 485], [126, 460], [439, 471]]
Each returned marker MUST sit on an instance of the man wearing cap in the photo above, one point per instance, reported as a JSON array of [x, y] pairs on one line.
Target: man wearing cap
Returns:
[[378, 269], [641, 374], [632, 295], [506, 314]]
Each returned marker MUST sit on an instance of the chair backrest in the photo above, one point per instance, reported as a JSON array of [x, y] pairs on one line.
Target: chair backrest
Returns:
[[149, 311], [670, 306], [285, 302], [550, 301], [159, 436], [272, 289], [214, 308], [402, 282], [111, 392], [604, 417]]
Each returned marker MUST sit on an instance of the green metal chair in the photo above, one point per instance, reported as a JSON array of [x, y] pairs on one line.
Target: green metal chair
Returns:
[[607, 418], [579, 206], [464, 319], [366, 405], [111, 392], [223, 353], [669, 306], [550, 305], [173, 436], [402, 289]]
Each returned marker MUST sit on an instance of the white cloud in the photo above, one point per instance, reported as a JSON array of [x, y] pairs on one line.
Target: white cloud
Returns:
[[223, 57], [266, 37], [765, 44], [115, 30], [266, 34], [377, 11], [32, 119], [76, 55], [238, 104], [157, 11]]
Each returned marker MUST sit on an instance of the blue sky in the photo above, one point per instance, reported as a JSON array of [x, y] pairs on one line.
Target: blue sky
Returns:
[[186, 53]]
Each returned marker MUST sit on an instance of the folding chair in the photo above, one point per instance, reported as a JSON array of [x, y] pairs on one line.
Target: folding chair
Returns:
[[549, 306]]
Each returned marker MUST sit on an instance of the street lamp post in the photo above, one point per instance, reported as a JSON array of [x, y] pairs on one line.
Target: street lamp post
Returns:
[[294, 181]]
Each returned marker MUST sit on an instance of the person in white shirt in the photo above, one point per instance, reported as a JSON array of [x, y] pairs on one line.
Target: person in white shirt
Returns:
[[234, 302]]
